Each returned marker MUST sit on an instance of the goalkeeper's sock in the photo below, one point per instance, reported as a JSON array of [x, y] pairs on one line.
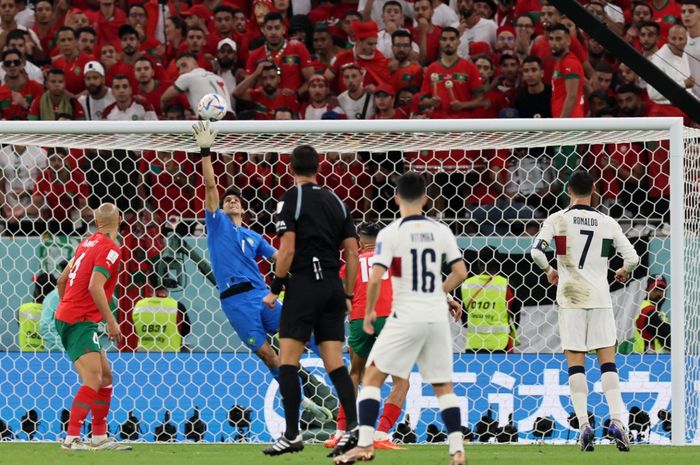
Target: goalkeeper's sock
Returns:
[[345, 389], [342, 422], [390, 415], [610, 381], [452, 418], [368, 402], [579, 393], [290, 389], [100, 410], [82, 403]]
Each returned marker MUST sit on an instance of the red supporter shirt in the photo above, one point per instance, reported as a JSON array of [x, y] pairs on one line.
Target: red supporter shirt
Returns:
[[541, 49], [108, 28], [359, 302], [494, 102], [98, 253], [432, 43], [35, 109], [466, 82], [609, 159], [31, 90], [291, 60], [569, 67], [265, 106], [411, 75], [62, 195], [376, 69], [73, 70]]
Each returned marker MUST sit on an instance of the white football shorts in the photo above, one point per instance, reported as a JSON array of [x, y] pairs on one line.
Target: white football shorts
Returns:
[[401, 344], [584, 329]]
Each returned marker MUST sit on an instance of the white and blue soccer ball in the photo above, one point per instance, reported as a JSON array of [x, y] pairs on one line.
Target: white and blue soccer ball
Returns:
[[212, 107]]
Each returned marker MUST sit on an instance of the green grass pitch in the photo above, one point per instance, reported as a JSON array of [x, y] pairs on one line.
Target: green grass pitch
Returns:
[[238, 454]]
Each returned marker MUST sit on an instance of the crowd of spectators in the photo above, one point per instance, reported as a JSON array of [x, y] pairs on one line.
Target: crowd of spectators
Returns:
[[334, 59]]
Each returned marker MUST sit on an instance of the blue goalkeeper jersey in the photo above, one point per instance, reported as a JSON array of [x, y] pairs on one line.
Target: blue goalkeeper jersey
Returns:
[[233, 252]]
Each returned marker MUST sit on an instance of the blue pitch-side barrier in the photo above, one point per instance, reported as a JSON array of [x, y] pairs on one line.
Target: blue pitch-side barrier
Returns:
[[528, 385]]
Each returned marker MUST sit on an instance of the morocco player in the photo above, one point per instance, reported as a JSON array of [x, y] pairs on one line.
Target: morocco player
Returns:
[[583, 239], [413, 248], [361, 343], [85, 288]]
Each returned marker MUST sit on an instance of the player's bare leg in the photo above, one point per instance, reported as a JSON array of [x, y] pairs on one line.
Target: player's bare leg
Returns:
[[89, 368], [100, 440], [578, 385], [610, 381], [452, 419]]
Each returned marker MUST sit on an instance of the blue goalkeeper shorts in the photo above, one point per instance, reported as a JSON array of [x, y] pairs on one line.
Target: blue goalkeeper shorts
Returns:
[[252, 320]]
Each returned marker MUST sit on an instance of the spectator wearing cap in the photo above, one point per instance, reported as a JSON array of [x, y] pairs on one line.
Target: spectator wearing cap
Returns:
[[270, 95], [291, 58], [45, 24], [18, 40], [690, 15], [225, 64], [540, 47], [18, 91], [374, 66], [137, 18], [8, 10], [384, 104], [56, 100], [494, 99], [87, 39], [198, 16], [98, 96], [61, 193], [107, 21], [473, 28], [71, 60], [426, 33], [324, 48], [534, 99], [151, 88], [357, 102], [371, 10], [452, 83], [393, 21], [443, 15], [674, 62], [76, 18], [407, 73], [195, 82], [320, 100], [127, 106], [652, 332], [505, 41]]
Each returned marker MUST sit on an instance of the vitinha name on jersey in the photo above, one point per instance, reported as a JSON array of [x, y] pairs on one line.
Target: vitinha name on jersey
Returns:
[[585, 221], [422, 237]]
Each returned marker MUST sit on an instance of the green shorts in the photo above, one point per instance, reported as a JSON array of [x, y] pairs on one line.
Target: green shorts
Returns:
[[79, 338], [359, 341]]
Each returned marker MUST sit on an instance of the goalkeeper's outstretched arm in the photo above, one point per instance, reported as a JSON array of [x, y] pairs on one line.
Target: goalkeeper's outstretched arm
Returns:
[[204, 135]]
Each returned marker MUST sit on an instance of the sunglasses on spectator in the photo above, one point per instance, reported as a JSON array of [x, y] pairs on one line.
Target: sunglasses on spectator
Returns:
[[9, 63]]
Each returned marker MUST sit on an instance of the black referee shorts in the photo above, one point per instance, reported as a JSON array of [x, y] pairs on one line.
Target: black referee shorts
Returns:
[[313, 306]]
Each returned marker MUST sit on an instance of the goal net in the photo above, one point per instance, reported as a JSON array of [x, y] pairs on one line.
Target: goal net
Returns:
[[183, 373]]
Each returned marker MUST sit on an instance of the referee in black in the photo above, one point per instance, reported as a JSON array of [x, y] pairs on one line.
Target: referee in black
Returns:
[[313, 224]]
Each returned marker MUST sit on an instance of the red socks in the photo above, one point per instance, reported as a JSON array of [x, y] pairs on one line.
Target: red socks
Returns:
[[100, 409], [342, 422], [82, 404], [389, 417]]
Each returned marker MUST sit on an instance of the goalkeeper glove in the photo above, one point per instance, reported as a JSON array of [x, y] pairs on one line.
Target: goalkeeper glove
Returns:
[[204, 135]]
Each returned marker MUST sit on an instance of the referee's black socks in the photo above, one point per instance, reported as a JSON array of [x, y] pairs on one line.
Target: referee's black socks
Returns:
[[346, 394], [290, 389]]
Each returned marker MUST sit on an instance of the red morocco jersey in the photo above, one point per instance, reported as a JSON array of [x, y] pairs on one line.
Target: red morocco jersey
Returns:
[[96, 253], [383, 307], [568, 67]]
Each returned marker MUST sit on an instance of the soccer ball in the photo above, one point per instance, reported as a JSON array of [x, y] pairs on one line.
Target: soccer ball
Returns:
[[211, 107]]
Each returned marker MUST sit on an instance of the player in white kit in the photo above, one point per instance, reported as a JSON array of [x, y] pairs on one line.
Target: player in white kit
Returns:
[[418, 331], [583, 239]]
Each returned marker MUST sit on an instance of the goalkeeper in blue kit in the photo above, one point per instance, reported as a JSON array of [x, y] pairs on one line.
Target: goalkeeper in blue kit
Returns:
[[233, 250]]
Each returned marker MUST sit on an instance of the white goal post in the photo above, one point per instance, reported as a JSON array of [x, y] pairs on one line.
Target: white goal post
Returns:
[[414, 136]]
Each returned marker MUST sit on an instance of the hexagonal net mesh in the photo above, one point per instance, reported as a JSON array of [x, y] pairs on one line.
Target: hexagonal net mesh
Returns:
[[183, 373]]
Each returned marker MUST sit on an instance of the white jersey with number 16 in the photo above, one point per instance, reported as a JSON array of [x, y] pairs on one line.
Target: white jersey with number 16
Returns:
[[415, 248]]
